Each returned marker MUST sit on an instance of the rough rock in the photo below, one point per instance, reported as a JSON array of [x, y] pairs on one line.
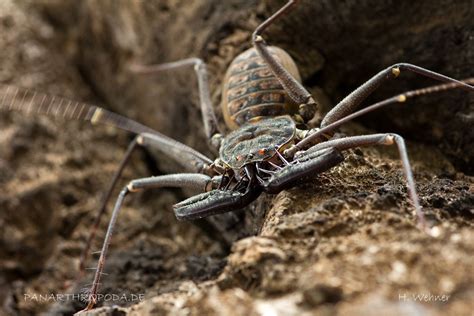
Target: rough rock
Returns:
[[345, 242]]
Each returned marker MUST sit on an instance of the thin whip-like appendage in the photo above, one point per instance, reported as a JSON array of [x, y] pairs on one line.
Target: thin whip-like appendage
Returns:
[[316, 137], [37, 103], [32, 102]]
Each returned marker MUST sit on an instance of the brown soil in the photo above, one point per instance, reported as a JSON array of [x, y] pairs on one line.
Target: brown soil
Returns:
[[346, 242]]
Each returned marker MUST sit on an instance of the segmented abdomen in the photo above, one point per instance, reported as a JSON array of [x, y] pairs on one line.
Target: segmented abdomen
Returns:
[[251, 90]]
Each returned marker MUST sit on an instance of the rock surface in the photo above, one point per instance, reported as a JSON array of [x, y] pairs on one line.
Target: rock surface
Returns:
[[346, 242]]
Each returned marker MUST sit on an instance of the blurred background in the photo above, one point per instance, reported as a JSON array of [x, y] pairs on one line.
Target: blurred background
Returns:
[[53, 173]]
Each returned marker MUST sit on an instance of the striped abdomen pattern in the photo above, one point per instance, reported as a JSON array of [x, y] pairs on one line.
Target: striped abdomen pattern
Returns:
[[251, 90]]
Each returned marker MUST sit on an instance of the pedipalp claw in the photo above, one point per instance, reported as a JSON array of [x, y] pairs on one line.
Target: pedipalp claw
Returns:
[[213, 202], [307, 165]]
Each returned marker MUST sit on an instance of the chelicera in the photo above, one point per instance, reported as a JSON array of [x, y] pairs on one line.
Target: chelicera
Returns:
[[265, 107]]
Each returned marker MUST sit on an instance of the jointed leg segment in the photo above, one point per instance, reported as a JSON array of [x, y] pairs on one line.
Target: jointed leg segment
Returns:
[[105, 200], [185, 155], [354, 99], [318, 135], [211, 127], [295, 89], [189, 180], [299, 94], [380, 139], [198, 162]]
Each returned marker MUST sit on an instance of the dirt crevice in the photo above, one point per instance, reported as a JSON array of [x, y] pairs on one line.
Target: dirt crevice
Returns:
[[346, 242]]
